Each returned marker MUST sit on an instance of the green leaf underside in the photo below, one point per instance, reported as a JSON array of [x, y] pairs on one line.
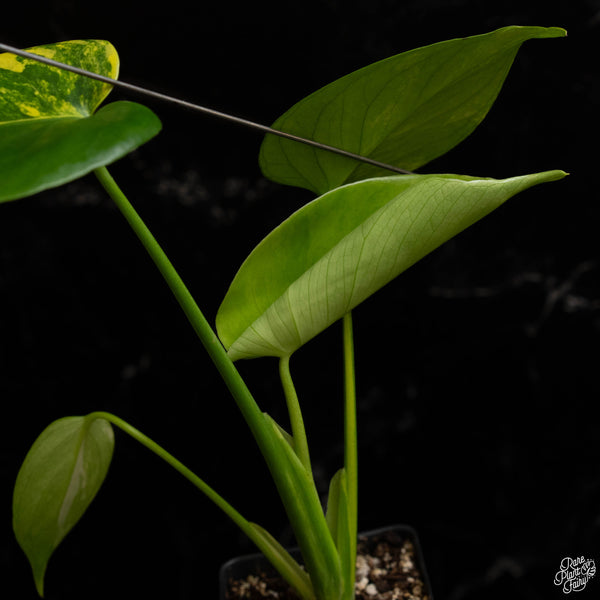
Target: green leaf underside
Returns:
[[50, 129], [59, 478], [336, 251], [405, 110], [38, 154], [30, 89]]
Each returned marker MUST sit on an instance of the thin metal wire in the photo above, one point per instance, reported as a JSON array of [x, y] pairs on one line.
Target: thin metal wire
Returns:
[[208, 111]]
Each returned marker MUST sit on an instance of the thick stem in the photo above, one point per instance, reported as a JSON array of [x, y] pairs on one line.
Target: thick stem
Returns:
[[250, 410]]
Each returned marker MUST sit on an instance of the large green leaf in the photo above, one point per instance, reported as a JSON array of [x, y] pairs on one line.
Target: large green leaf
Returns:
[[339, 249], [404, 111], [38, 154], [56, 483], [49, 131]]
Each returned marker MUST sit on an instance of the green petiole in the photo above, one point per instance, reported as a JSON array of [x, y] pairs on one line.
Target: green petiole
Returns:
[[350, 437], [143, 439], [291, 477], [292, 571], [250, 410], [296, 420]]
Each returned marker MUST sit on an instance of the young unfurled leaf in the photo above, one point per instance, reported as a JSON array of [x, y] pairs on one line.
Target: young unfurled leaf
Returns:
[[339, 249], [49, 131], [338, 520], [404, 111], [59, 478]]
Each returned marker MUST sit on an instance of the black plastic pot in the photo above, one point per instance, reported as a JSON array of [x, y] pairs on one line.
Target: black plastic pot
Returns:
[[238, 569]]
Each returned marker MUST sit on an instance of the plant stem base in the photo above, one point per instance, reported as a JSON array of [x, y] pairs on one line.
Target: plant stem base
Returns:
[[389, 567]]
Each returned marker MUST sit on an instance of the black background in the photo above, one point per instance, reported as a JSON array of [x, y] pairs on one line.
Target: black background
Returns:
[[477, 369]]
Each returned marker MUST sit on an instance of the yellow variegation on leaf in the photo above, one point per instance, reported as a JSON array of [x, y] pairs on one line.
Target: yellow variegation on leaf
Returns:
[[52, 130]]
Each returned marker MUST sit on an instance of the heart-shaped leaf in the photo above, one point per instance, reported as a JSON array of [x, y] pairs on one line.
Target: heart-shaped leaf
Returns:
[[339, 249], [59, 478], [49, 134], [404, 111]]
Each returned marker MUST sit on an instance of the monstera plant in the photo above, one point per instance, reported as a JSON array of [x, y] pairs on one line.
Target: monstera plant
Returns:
[[366, 226]]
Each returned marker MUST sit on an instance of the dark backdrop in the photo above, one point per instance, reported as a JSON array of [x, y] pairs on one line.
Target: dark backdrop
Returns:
[[477, 369]]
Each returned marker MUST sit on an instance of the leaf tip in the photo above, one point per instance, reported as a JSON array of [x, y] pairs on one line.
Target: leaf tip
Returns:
[[57, 481], [558, 174], [39, 585], [555, 32]]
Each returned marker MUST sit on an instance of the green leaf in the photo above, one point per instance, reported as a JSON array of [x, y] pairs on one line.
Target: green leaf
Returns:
[[49, 131], [56, 483], [339, 249], [404, 111], [38, 154], [31, 89]]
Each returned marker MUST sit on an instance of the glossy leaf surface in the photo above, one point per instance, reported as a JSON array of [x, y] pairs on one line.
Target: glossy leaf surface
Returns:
[[59, 478], [49, 131], [339, 249], [404, 111]]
